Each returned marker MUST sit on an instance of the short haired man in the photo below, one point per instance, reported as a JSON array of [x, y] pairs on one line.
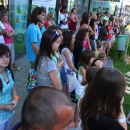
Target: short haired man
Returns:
[[63, 18], [33, 34], [46, 108]]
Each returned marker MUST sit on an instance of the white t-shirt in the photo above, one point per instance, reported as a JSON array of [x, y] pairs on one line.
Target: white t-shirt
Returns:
[[1, 36], [63, 17]]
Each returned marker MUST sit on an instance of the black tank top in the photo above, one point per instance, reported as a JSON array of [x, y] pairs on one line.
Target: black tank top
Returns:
[[93, 64]]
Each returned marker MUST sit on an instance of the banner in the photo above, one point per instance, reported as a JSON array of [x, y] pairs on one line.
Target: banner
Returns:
[[49, 5], [102, 6]]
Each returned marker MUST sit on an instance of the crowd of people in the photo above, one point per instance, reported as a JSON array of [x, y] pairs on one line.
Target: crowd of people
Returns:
[[56, 52]]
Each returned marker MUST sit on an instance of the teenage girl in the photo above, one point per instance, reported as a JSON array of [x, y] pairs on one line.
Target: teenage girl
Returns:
[[102, 105], [47, 73], [90, 73], [8, 95], [67, 56], [56, 57], [86, 60]]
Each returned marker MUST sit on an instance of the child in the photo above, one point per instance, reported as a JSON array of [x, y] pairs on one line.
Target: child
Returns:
[[56, 55], [8, 95], [99, 48], [86, 59], [90, 73], [99, 60]]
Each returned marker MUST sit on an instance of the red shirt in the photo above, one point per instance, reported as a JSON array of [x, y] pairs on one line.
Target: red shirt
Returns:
[[110, 33]]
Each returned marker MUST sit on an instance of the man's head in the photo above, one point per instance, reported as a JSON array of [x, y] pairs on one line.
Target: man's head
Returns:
[[64, 9], [46, 108], [37, 15]]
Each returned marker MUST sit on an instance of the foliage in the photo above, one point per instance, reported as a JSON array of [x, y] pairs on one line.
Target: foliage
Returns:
[[118, 55]]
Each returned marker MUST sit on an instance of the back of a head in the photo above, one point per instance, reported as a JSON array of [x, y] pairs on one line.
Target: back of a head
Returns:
[[101, 55], [85, 57], [39, 108], [90, 73], [80, 35], [99, 44], [103, 94], [67, 38], [85, 19], [54, 27]]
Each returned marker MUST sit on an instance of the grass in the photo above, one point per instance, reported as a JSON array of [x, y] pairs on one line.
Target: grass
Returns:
[[124, 68]]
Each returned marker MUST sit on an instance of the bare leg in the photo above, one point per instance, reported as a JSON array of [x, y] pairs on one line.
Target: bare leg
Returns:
[[65, 90], [109, 47]]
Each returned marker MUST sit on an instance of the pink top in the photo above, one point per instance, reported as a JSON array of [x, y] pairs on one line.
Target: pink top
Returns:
[[84, 26], [86, 44], [8, 40]]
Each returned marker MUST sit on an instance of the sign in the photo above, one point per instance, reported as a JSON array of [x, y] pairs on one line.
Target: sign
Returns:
[[102, 6], [49, 5], [18, 12]]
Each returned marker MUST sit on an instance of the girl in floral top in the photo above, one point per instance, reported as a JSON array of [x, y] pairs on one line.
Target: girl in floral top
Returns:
[[8, 95]]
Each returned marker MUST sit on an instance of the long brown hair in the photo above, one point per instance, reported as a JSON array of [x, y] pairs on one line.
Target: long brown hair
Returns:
[[3, 51], [103, 95]]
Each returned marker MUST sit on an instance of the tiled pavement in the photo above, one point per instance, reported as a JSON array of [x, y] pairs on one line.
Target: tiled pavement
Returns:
[[20, 84]]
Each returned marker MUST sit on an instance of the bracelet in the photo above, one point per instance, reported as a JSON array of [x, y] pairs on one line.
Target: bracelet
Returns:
[[16, 97], [122, 119]]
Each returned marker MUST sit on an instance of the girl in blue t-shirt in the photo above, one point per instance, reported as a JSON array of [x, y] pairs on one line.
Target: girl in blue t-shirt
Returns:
[[8, 95]]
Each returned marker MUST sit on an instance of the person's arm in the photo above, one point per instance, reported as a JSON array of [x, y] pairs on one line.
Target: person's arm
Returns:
[[35, 47], [90, 48], [55, 80], [13, 32], [99, 63], [60, 62], [2, 31], [83, 73], [76, 116], [67, 56]]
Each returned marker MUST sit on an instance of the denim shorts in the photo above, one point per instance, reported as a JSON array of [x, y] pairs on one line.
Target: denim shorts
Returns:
[[63, 75]]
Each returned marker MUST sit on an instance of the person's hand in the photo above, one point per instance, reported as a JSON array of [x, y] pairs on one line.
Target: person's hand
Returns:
[[13, 104], [4, 31], [8, 107], [90, 48]]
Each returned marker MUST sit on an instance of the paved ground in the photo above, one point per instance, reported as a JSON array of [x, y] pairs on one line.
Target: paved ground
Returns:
[[20, 84]]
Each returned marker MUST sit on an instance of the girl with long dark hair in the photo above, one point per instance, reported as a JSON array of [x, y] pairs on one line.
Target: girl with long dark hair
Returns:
[[8, 95], [102, 104], [47, 73]]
